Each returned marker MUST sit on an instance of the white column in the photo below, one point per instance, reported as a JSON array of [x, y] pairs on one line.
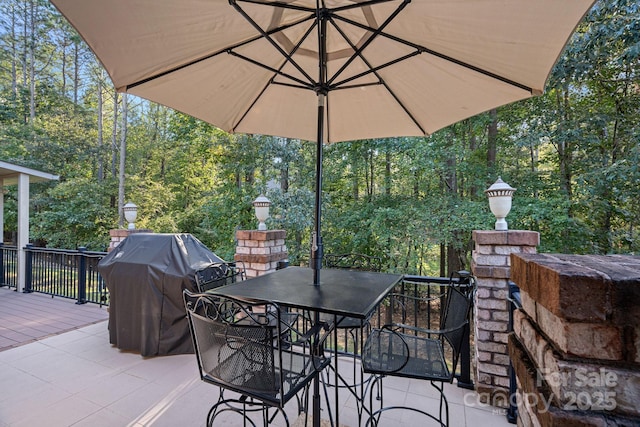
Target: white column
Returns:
[[23, 227]]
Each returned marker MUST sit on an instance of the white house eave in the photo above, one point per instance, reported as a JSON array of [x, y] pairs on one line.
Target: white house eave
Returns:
[[9, 174]]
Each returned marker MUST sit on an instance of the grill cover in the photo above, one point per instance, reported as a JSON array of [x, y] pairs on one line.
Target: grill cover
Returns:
[[145, 275]]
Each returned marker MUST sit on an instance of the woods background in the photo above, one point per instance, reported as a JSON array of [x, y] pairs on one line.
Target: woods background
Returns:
[[573, 155]]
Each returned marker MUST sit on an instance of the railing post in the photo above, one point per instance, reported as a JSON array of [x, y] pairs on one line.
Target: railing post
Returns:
[[516, 303], [28, 273], [2, 273], [82, 276], [464, 380]]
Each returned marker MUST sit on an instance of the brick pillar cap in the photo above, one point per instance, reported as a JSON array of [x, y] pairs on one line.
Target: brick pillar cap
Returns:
[[261, 234], [506, 237], [119, 232]]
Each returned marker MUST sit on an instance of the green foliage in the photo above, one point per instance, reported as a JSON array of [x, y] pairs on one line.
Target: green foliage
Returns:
[[71, 214], [572, 153]]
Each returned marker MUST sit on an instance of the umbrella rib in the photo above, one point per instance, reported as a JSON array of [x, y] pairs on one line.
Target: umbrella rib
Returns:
[[359, 85], [303, 83], [376, 33], [361, 4], [340, 85], [267, 35], [204, 58], [374, 71], [424, 49], [273, 82], [276, 4], [233, 128], [356, 5]]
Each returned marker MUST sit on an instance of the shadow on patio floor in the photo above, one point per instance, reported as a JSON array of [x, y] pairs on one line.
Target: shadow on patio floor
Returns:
[[77, 378]]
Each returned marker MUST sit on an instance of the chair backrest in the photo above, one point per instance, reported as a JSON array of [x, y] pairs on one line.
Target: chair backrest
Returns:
[[455, 316], [353, 261], [235, 346], [216, 275]]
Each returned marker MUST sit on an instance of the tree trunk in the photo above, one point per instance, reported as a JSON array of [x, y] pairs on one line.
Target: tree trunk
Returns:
[[387, 170], [32, 62], [284, 178], [123, 156], [64, 60], [454, 257], [23, 60], [14, 55], [76, 72], [492, 138], [100, 130], [564, 151], [355, 182], [369, 173], [451, 178], [114, 145]]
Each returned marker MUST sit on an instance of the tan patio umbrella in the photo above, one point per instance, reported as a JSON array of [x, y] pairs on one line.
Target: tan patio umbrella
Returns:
[[328, 70]]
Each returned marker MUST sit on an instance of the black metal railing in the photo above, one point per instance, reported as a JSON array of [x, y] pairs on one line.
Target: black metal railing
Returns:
[[65, 273], [8, 266], [426, 288], [420, 309], [73, 274]]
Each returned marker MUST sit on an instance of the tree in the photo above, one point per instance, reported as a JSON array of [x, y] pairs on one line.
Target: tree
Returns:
[[123, 156], [572, 153]]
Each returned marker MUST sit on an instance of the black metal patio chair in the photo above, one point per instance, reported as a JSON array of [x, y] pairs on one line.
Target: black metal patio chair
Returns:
[[218, 274], [350, 331], [352, 261], [351, 327], [238, 349], [408, 351]]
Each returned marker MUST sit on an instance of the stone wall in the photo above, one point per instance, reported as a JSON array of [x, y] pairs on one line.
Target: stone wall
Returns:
[[576, 342], [491, 266], [260, 251]]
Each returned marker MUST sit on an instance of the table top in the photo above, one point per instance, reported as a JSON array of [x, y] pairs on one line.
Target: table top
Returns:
[[341, 292]]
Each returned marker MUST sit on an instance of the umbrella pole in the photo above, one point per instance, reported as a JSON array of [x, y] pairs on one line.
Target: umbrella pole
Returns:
[[316, 238]]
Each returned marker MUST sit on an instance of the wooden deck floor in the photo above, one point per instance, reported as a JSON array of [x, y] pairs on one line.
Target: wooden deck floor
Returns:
[[26, 318]]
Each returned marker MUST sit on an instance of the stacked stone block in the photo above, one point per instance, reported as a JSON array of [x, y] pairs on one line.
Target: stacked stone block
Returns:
[[491, 266], [576, 343], [260, 251]]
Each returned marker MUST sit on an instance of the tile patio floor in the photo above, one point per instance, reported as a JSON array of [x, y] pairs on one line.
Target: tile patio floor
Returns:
[[67, 374]]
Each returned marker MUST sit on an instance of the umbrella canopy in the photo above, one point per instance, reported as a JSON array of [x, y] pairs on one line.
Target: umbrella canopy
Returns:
[[328, 70], [389, 67]]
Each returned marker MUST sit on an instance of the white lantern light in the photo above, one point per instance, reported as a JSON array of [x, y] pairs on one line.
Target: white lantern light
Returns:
[[130, 214], [261, 205], [500, 195]]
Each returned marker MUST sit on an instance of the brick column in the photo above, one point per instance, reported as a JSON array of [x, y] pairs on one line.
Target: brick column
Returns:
[[119, 234], [260, 251], [576, 343], [492, 268]]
